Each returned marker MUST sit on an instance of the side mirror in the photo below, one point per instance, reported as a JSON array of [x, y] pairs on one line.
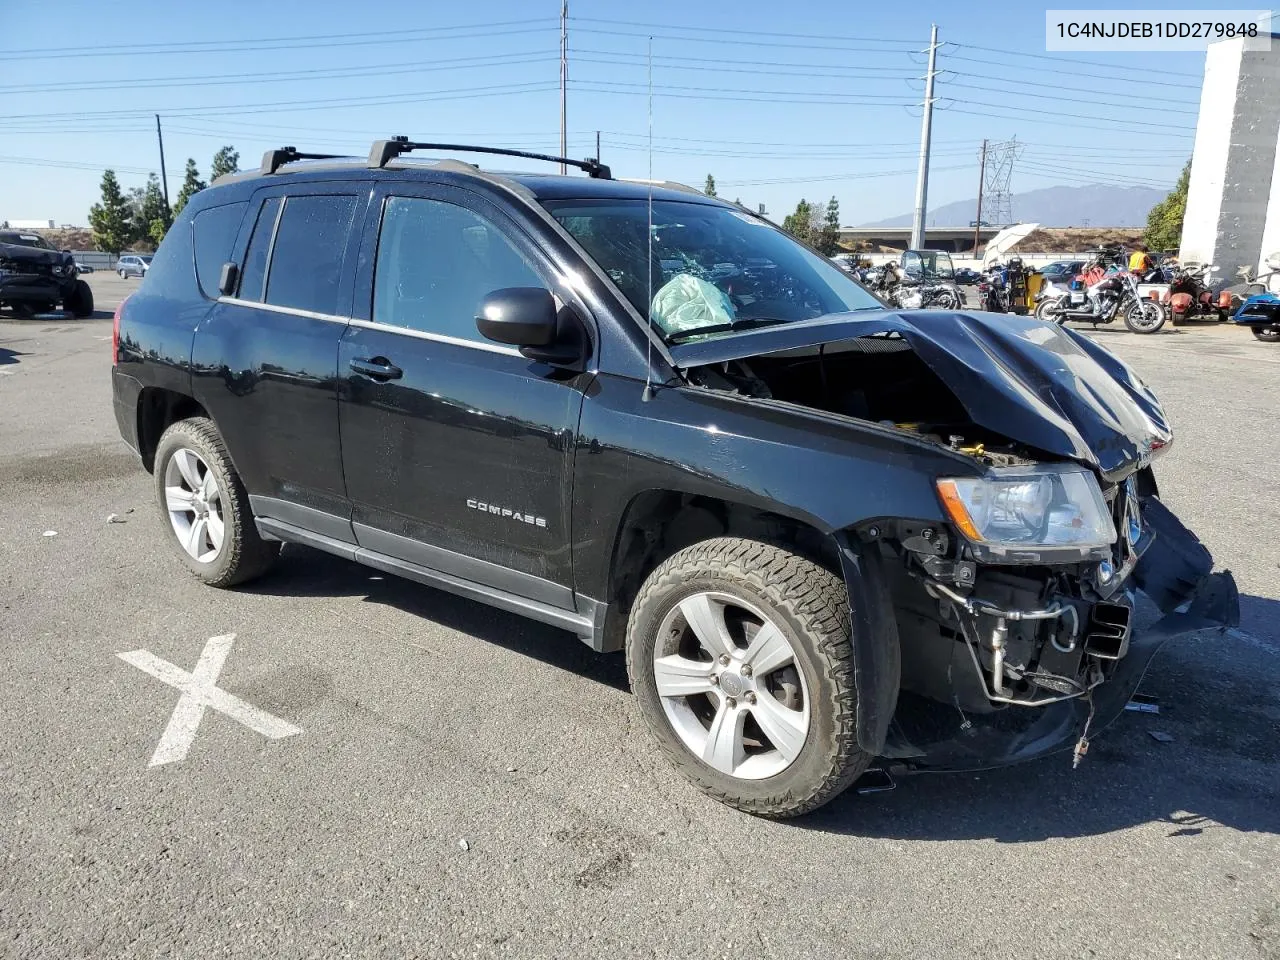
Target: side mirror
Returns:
[[523, 316], [227, 279]]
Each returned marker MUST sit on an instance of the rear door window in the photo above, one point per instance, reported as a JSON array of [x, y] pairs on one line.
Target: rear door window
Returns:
[[306, 258], [215, 231], [254, 275]]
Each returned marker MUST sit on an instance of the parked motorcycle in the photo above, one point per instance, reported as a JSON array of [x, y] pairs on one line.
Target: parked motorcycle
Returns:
[[1261, 313], [928, 281], [1096, 300], [993, 294]]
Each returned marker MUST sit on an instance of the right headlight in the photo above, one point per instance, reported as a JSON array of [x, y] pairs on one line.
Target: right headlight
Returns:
[[1016, 509]]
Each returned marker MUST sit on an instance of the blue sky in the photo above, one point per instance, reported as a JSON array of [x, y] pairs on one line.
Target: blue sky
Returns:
[[779, 101]]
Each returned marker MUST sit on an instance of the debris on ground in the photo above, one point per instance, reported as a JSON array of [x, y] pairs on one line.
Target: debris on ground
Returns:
[[49, 533], [115, 518], [1143, 703], [1160, 736], [463, 844]]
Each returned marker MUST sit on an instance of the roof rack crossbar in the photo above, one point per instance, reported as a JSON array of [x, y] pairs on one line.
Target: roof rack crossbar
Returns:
[[384, 151], [273, 160]]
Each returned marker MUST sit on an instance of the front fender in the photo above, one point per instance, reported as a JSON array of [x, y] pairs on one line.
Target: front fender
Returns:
[[877, 657]]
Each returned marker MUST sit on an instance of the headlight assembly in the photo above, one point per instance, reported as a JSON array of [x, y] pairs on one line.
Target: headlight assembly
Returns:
[[1020, 510]]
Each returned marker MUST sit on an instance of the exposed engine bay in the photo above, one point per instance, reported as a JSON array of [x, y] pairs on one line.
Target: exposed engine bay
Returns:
[[880, 379]]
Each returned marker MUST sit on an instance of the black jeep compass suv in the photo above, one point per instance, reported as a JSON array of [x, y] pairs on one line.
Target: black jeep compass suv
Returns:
[[823, 531]]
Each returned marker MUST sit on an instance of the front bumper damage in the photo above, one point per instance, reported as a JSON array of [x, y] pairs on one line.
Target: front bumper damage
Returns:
[[967, 694]]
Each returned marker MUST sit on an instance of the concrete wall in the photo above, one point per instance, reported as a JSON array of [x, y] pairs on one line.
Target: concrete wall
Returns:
[[1232, 202]]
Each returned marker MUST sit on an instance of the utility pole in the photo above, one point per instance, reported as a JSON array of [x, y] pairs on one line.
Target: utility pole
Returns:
[[564, 76], [982, 173], [926, 131], [164, 177], [597, 146]]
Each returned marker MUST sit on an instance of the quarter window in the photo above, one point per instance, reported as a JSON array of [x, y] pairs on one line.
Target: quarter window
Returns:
[[436, 262], [215, 234], [306, 259]]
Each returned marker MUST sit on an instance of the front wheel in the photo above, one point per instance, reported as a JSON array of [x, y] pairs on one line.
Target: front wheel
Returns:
[[206, 508], [80, 300], [1267, 334], [740, 656], [1144, 316], [1051, 310]]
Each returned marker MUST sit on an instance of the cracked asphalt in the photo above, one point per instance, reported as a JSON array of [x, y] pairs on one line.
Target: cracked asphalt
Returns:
[[428, 720]]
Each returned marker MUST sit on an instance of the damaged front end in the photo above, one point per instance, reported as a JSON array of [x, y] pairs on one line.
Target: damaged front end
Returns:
[[1013, 624], [1005, 662]]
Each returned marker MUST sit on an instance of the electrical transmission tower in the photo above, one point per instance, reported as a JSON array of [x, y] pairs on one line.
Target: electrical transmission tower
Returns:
[[998, 173]]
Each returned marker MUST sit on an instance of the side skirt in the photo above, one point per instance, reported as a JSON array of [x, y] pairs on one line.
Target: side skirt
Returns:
[[586, 626]]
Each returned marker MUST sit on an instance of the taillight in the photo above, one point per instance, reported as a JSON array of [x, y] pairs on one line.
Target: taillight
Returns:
[[115, 333]]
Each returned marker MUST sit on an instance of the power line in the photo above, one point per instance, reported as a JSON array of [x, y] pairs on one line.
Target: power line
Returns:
[[823, 177], [323, 73], [1087, 63], [170, 49], [720, 31], [1146, 81], [275, 106], [721, 41]]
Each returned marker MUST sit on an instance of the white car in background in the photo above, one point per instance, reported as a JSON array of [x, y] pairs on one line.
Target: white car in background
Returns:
[[133, 265]]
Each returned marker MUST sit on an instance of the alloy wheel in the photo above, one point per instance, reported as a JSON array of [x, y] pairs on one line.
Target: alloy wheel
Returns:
[[729, 685], [194, 503]]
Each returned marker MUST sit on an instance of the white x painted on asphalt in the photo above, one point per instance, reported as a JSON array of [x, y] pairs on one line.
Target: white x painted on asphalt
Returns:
[[199, 690]]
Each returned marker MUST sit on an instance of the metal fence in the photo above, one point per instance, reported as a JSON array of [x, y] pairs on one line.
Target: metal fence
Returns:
[[96, 259]]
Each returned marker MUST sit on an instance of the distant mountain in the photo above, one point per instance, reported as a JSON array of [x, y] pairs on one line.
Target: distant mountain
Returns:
[[1096, 205]]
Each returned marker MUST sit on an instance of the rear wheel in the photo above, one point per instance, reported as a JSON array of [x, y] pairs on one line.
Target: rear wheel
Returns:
[[946, 300], [1144, 316], [206, 508], [740, 656], [1267, 334]]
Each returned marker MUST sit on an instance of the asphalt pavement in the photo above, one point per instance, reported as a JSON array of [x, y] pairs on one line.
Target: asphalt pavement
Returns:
[[451, 781]]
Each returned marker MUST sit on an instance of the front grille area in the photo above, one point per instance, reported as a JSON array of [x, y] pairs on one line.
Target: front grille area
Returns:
[[25, 268]]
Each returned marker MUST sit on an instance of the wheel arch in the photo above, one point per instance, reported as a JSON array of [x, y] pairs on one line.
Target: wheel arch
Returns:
[[656, 524], [158, 409]]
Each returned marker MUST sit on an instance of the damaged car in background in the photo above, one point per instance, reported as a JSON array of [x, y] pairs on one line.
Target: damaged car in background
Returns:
[[827, 534]]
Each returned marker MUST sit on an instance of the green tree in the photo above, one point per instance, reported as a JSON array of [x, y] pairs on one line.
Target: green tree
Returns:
[[226, 160], [800, 223], [1164, 222], [149, 209], [191, 185], [710, 188], [828, 239], [110, 220]]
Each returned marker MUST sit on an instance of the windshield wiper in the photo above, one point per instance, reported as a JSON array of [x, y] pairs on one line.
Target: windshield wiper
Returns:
[[746, 323]]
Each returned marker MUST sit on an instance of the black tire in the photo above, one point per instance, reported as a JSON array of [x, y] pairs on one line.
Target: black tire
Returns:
[[80, 300], [121, 273], [1050, 309], [810, 606], [1144, 316], [1267, 334], [244, 555]]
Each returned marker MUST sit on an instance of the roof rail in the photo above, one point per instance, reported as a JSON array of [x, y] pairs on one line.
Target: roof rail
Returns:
[[273, 160], [384, 151]]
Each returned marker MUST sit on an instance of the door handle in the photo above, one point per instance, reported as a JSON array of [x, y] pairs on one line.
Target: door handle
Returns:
[[377, 368]]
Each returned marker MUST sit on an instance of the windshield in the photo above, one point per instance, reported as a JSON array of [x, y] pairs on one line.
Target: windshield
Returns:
[[26, 240], [932, 264], [714, 269]]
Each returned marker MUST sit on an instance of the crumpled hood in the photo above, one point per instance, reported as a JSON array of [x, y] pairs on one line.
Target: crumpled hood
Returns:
[[24, 254], [1034, 382]]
